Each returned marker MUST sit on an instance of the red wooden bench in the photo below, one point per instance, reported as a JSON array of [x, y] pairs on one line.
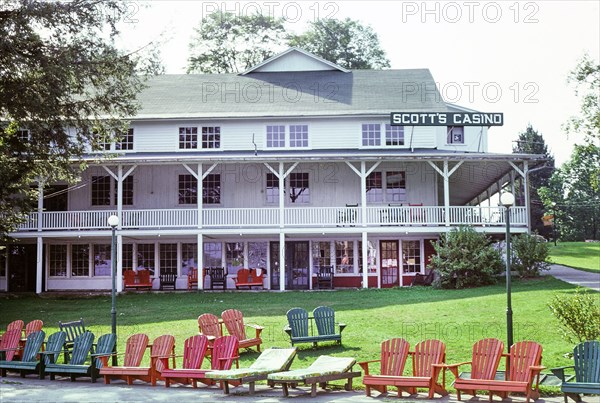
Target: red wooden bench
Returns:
[[140, 280], [249, 278]]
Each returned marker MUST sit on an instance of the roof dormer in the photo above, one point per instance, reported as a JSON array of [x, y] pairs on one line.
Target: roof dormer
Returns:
[[294, 59]]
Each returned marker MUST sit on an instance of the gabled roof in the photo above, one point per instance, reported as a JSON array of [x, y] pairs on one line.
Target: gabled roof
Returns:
[[284, 94], [294, 59]]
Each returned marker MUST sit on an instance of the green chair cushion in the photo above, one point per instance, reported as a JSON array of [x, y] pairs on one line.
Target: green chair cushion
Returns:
[[324, 365], [270, 360]]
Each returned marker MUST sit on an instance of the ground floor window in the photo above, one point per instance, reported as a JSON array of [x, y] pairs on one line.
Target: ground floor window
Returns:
[[127, 256], [213, 255], [321, 255], [411, 256], [189, 257], [344, 256], [234, 256], [57, 260], [80, 260], [102, 260], [146, 257], [257, 255], [371, 257], [168, 258]]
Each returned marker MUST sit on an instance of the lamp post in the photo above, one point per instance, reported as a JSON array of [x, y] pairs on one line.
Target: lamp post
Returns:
[[554, 222], [113, 221], [507, 200]]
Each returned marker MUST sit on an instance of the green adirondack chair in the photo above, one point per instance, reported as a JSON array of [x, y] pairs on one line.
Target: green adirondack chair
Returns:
[[105, 346], [326, 325], [297, 327], [30, 361], [77, 366], [586, 358]]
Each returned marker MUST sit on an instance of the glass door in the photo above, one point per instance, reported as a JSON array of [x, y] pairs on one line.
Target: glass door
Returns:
[[389, 263], [297, 255]]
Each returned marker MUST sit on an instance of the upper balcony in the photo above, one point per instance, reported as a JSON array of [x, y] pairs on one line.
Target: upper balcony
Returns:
[[321, 218]]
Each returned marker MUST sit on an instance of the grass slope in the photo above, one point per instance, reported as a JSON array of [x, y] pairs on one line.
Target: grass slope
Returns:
[[579, 255]]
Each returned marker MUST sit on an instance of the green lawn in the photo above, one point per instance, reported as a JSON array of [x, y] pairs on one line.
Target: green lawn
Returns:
[[579, 255], [457, 317]]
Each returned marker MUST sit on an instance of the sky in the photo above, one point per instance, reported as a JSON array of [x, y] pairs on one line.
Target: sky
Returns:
[[510, 56]]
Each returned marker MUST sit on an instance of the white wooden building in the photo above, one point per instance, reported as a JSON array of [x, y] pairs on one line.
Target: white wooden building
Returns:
[[292, 161]]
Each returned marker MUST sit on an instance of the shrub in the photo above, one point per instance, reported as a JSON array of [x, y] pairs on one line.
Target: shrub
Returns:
[[579, 315], [530, 255], [465, 258]]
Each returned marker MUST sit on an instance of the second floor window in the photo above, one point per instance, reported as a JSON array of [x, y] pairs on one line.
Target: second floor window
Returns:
[[394, 135], [211, 137], [389, 187], [371, 134], [375, 187], [127, 191], [24, 135], [272, 188], [101, 190], [126, 141], [299, 187], [188, 189], [298, 136], [456, 135], [275, 136], [188, 138]]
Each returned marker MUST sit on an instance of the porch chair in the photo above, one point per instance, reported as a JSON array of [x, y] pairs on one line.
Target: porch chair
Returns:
[[484, 363], [217, 276], [234, 322], [167, 280], [586, 363], [325, 277], [192, 278]]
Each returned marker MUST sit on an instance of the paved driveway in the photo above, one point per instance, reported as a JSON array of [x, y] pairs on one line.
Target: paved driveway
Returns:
[[578, 277]]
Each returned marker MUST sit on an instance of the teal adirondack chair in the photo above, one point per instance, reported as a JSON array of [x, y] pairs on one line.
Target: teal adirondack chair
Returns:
[[326, 325], [105, 346], [297, 327], [586, 358], [76, 366], [30, 361]]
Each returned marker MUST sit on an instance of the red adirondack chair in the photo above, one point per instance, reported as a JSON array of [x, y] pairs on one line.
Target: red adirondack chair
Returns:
[[9, 344], [134, 351], [192, 278], [224, 352], [194, 351], [15, 324], [393, 359], [484, 364], [33, 326], [209, 325], [234, 322], [523, 368]]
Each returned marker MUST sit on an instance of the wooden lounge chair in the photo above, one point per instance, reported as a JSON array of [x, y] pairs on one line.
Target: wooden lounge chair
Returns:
[[77, 366], [134, 351], [586, 358], [427, 363], [194, 351], [271, 360], [192, 279], [484, 364], [224, 352], [30, 362], [323, 370], [234, 322], [9, 344]]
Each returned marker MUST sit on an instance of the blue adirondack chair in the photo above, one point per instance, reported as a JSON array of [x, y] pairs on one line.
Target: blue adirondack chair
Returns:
[[30, 361], [326, 325], [82, 346], [297, 327], [105, 346], [586, 358]]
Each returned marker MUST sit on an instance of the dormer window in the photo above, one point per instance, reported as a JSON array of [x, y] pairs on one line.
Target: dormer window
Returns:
[[456, 135]]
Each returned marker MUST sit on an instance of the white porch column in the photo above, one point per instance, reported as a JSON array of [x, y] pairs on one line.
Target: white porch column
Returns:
[[199, 177], [363, 194], [119, 206], [119, 261], [526, 186], [281, 261], [40, 205], [39, 265], [200, 252], [446, 194], [365, 259], [281, 177]]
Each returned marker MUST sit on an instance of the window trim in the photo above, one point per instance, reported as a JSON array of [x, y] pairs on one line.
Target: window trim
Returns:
[[287, 140]]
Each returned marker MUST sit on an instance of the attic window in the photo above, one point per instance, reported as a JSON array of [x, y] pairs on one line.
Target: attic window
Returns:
[[456, 135]]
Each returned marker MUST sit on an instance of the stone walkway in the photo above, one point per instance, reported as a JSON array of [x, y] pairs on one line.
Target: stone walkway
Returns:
[[577, 277]]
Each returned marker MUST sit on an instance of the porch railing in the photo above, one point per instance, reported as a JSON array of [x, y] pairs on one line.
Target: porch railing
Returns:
[[318, 217]]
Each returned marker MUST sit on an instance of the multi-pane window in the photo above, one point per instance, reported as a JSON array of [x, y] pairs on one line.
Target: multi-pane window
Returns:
[[127, 256], [146, 257], [257, 255], [321, 255], [188, 189], [298, 136], [456, 134], [234, 256], [395, 186], [411, 256], [371, 257], [375, 187], [188, 137], [102, 260], [275, 136], [24, 135], [127, 191], [126, 141], [344, 256], [211, 137], [371, 134], [57, 260], [168, 258], [299, 187], [100, 190], [80, 260], [211, 189], [213, 254], [394, 135], [272, 188], [189, 257]]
